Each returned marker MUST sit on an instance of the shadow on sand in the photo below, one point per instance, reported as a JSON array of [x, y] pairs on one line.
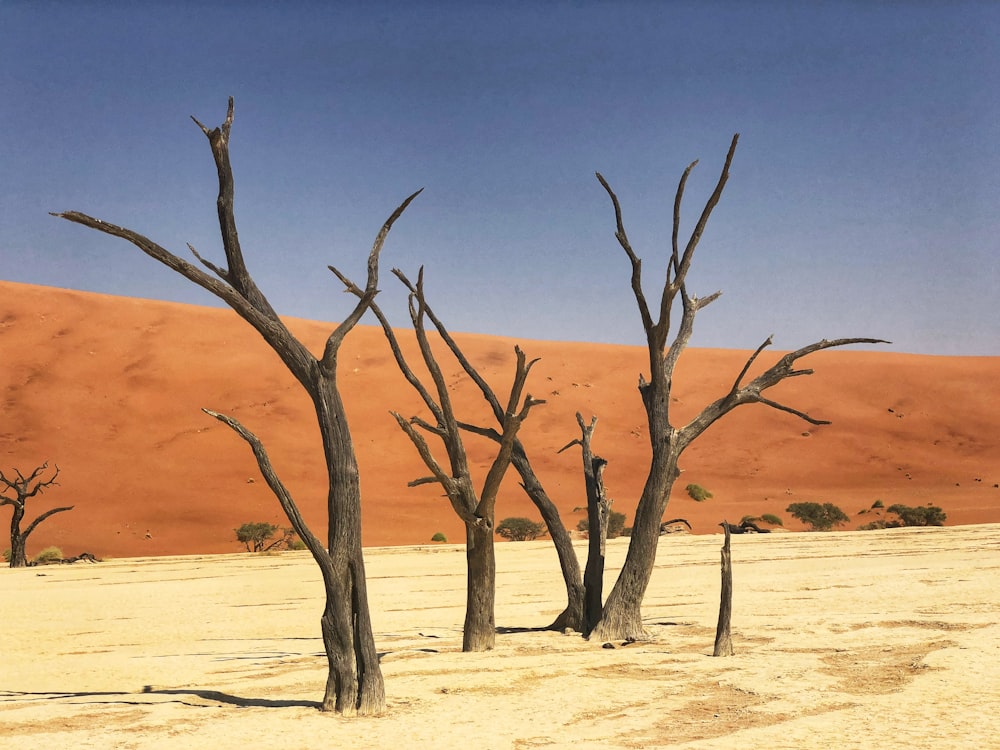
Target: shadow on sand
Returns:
[[136, 698]]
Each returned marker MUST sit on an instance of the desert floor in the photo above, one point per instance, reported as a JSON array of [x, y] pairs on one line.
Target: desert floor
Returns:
[[844, 639]]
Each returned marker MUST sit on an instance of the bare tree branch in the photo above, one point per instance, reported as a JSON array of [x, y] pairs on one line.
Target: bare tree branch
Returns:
[[640, 297], [281, 492], [371, 288], [46, 514], [751, 392]]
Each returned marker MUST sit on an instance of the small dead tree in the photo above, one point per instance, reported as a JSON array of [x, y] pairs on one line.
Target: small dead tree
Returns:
[[476, 509], [354, 683], [723, 636], [598, 510], [15, 492], [622, 618]]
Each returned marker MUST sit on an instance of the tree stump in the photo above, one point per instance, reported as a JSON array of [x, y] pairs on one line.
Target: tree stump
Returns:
[[723, 640]]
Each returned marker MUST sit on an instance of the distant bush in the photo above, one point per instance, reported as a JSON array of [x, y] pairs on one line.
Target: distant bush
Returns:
[[6, 555], [930, 515], [881, 523], [255, 536], [821, 517], [49, 554], [698, 493], [520, 529], [616, 525], [771, 519], [878, 504], [439, 537]]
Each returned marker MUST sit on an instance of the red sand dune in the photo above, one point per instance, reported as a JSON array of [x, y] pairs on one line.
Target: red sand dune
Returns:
[[110, 389]]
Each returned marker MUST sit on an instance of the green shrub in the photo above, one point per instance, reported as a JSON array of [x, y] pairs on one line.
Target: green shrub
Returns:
[[6, 555], [821, 517], [878, 504], [439, 537], [520, 529], [930, 515], [698, 493], [49, 554], [297, 544], [254, 536], [771, 519], [616, 525]]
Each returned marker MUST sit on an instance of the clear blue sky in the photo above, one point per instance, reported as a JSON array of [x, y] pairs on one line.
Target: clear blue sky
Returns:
[[864, 198]]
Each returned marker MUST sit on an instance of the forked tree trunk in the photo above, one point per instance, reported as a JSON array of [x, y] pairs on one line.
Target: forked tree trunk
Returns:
[[479, 632], [477, 510]]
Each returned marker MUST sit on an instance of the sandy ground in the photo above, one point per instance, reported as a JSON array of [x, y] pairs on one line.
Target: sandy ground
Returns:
[[111, 390], [844, 640]]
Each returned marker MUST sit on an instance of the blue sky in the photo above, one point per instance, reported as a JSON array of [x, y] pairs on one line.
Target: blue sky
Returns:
[[863, 199]]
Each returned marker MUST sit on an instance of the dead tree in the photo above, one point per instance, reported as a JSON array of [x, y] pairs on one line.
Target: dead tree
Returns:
[[572, 616], [622, 618], [354, 684], [598, 509], [23, 489], [723, 637], [476, 509]]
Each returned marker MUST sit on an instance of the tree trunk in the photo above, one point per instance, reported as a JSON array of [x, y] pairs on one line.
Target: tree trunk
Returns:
[[622, 615], [572, 616], [597, 524], [723, 639], [355, 681], [18, 557], [479, 632]]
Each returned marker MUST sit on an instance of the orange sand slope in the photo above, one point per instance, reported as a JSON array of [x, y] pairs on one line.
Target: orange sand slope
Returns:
[[111, 388]]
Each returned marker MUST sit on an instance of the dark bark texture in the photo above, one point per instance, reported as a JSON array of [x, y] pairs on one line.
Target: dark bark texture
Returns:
[[598, 510], [355, 684], [723, 637]]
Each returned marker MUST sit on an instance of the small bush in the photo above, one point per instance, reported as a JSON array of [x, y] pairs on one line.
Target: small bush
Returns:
[[49, 554], [878, 504], [439, 537], [616, 525], [6, 555], [874, 525], [520, 529], [921, 516], [821, 517], [254, 536], [698, 493], [772, 519]]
